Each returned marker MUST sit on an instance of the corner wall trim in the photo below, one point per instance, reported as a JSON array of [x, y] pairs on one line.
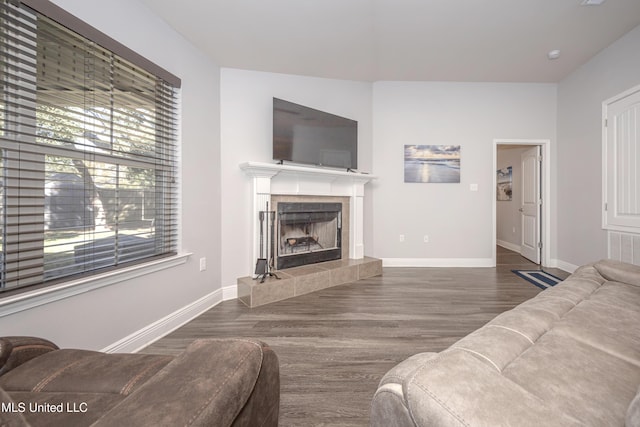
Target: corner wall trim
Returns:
[[158, 329], [437, 262]]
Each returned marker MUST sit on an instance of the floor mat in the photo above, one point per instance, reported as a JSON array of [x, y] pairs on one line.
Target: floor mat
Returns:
[[539, 278]]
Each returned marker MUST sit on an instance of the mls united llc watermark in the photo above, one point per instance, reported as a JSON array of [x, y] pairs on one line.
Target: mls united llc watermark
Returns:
[[32, 407]]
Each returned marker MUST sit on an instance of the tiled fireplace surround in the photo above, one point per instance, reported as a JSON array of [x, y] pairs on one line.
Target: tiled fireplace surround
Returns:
[[274, 183]]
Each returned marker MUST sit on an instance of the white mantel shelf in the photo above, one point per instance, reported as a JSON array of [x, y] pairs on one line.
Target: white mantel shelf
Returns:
[[270, 179], [271, 169]]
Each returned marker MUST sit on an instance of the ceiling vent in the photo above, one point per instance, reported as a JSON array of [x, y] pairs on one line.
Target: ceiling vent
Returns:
[[592, 2]]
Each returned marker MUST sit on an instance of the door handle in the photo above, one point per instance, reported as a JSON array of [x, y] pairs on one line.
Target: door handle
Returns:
[[521, 210]]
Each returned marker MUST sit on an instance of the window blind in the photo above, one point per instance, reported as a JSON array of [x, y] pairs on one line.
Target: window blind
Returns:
[[88, 144]]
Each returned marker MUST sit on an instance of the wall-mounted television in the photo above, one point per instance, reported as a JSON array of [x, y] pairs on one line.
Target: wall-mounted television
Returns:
[[306, 135]]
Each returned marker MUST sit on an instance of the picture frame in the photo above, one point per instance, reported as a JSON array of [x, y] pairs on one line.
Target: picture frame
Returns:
[[504, 188], [432, 164]]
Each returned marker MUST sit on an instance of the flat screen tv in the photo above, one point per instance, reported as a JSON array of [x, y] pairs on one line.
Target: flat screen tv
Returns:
[[305, 135]]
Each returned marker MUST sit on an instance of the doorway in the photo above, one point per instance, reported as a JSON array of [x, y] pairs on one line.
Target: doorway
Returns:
[[528, 207]]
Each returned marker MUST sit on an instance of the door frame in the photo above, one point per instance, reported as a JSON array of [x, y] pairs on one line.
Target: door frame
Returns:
[[545, 194]]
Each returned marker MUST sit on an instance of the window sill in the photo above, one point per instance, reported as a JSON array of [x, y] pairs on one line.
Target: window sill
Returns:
[[29, 300]]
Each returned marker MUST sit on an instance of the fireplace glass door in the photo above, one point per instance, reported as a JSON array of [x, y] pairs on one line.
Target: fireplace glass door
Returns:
[[308, 233]]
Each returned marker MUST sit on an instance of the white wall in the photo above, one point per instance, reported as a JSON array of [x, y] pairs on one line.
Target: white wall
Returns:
[[102, 317], [508, 219], [580, 96], [457, 220], [246, 121]]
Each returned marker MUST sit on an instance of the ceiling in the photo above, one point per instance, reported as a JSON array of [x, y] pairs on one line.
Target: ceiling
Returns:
[[430, 40]]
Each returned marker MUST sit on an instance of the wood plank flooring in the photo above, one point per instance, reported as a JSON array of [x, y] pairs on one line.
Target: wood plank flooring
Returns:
[[335, 345]]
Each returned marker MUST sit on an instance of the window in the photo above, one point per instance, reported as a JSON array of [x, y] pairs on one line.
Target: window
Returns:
[[88, 146]]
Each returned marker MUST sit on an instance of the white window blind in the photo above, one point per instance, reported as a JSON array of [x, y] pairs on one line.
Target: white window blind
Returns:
[[87, 154]]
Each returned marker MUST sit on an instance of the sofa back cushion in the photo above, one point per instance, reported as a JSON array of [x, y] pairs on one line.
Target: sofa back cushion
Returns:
[[619, 271]]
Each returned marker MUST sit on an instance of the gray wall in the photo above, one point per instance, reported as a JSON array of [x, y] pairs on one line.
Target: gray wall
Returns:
[[459, 222], [580, 96], [101, 317]]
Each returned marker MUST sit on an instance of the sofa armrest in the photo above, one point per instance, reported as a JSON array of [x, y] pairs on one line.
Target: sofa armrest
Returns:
[[619, 271], [389, 404], [14, 351], [208, 384]]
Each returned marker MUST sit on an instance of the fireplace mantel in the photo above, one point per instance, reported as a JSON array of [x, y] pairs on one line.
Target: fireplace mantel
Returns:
[[302, 173], [271, 179]]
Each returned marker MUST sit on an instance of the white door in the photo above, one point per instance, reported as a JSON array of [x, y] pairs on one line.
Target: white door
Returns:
[[531, 202], [622, 163]]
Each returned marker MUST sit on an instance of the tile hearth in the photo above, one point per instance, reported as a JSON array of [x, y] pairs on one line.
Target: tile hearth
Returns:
[[303, 280]]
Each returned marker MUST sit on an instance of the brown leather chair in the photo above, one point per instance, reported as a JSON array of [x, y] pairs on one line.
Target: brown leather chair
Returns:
[[227, 382]]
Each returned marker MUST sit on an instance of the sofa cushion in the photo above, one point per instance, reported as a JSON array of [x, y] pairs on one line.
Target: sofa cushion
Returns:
[[578, 379], [68, 378], [533, 318], [210, 388], [457, 389], [550, 309], [493, 345], [607, 327], [74, 371], [620, 295], [573, 289]]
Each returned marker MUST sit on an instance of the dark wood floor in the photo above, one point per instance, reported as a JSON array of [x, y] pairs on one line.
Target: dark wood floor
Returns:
[[334, 345]]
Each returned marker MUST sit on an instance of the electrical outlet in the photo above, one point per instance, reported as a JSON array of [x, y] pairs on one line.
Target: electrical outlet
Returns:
[[203, 264], [426, 238], [402, 237]]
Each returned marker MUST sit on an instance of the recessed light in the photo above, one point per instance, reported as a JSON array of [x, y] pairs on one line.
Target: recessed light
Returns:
[[553, 54], [592, 2]]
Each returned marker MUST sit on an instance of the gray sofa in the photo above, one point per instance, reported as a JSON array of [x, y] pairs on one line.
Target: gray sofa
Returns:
[[231, 382], [568, 357]]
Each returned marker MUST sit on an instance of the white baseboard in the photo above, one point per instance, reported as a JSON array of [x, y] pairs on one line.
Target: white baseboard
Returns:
[[562, 265], [230, 292], [153, 332], [507, 245], [437, 262]]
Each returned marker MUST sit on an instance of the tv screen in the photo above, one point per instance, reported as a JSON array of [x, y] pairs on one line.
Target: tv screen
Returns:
[[305, 135]]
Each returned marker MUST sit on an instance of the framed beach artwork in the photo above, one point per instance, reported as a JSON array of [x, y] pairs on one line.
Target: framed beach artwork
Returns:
[[432, 163], [505, 184]]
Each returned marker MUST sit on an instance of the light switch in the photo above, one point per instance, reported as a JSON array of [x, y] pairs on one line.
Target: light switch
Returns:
[[473, 187]]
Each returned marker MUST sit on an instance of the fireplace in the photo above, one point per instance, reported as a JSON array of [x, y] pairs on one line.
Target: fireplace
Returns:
[[308, 232], [276, 184], [272, 184]]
